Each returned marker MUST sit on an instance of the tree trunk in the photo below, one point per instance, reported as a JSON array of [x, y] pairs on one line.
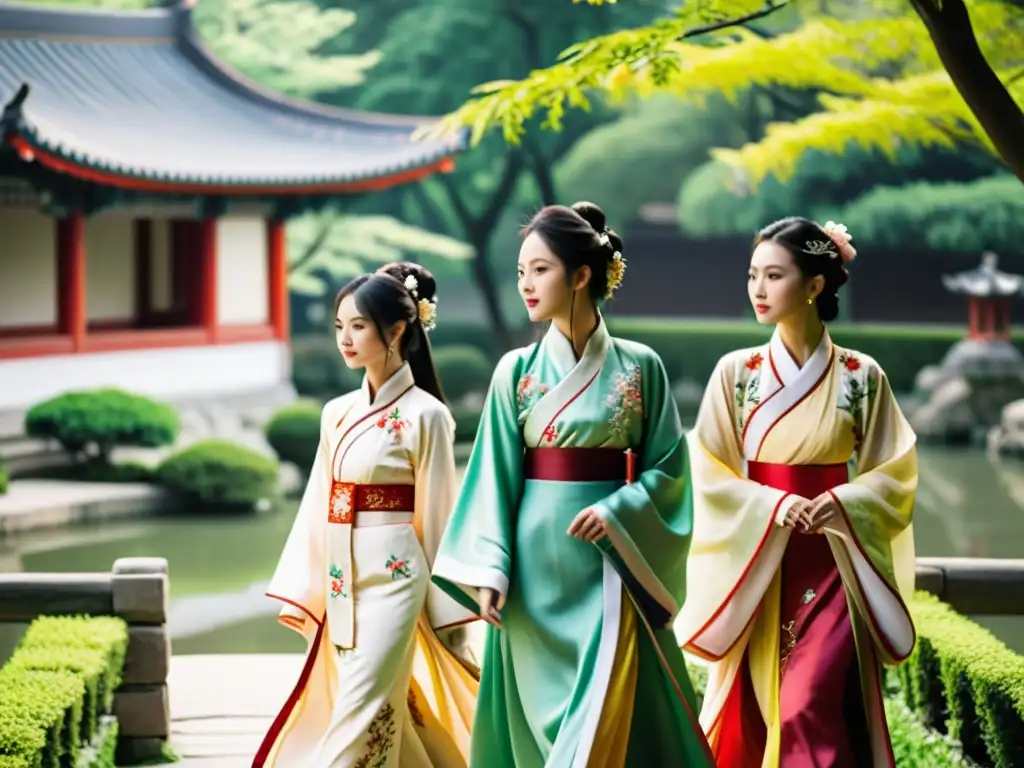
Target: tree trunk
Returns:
[[479, 229], [949, 26]]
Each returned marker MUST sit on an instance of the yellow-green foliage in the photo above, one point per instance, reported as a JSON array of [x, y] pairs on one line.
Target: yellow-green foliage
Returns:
[[964, 681], [880, 78], [54, 689]]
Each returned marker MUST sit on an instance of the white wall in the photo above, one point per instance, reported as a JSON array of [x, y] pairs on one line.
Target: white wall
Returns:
[[28, 268], [164, 373], [242, 273], [109, 268]]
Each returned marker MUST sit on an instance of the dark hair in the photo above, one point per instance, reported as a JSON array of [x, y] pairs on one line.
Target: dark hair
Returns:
[[383, 299], [795, 234], [573, 235]]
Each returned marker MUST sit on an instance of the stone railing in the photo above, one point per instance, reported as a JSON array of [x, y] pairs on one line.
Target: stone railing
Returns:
[[975, 586], [136, 590]]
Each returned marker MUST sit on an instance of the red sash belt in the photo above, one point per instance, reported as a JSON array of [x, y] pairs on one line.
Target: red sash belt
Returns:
[[807, 480], [579, 465], [347, 499]]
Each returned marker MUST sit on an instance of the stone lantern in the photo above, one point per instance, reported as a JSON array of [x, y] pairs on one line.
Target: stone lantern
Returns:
[[989, 292]]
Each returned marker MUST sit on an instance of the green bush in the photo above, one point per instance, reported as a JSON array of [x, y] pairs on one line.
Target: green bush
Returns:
[[963, 680], [221, 474], [92, 424], [318, 370], [94, 471], [690, 348], [4, 482], [56, 689], [463, 369], [294, 433]]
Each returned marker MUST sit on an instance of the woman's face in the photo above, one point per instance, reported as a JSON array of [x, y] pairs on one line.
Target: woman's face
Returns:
[[542, 280], [776, 286], [358, 340]]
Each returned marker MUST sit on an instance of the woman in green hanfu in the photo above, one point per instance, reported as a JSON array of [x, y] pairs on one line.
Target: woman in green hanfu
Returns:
[[571, 530]]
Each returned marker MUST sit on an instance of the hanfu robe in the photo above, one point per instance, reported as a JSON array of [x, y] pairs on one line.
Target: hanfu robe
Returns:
[[584, 671], [378, 689], [796, 626]]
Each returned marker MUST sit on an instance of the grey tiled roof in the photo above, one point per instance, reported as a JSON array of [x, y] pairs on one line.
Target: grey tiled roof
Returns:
[[986, 280], [136, 94]]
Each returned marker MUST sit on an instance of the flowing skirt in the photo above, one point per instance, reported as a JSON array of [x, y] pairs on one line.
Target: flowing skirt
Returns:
[[395, 700], [576, 678]]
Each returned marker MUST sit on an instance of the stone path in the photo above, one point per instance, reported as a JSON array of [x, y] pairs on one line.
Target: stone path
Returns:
[[221, 706]]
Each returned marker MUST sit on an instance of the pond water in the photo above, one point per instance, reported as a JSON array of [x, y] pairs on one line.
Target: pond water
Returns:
[[968, 506]]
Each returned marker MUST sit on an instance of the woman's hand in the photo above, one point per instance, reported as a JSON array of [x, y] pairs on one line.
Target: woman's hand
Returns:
[[798, 514], [823, 510], [491, 603], [588, 526]]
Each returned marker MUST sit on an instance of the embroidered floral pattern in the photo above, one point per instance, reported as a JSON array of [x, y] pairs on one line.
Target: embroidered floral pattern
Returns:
[[790, 644], [380, 739], [856, 394], [337, 582], [394, 424], [550, 434], [529, 390], [398, 567], [627, 401], [809, 595], [746, 388], [341, 503], [414, 710]]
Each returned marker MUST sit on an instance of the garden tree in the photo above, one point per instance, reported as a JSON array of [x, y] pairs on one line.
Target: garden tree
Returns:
[[959, 66], [821, 187], [326, 249], [432, 54]]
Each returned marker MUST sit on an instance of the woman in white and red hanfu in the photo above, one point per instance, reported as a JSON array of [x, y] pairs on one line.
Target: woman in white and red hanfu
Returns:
[[796, 625], [378, 688]]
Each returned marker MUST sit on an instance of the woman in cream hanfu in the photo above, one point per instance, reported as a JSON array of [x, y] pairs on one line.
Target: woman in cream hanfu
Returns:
[[378, 689], [803, 571], [570, 532]]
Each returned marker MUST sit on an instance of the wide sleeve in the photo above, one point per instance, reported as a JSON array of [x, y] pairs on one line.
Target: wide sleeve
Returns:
[[476, 549], [434, 464], [298, 583], [649, 521], [873, 537], [738, 542]]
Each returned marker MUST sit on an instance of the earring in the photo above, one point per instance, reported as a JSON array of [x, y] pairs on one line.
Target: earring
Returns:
[[810, 299]]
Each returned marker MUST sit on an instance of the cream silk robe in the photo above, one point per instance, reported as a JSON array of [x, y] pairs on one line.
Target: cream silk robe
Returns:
[[378, 689], [585, 671], [761, 407]]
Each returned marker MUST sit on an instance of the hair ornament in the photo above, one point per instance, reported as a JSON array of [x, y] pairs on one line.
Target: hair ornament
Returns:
[[616, 271], [412, 285], [839, 235], [427, 311]]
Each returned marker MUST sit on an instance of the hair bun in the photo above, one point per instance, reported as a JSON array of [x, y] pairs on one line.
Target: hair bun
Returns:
[[592, 214], [402, 270]]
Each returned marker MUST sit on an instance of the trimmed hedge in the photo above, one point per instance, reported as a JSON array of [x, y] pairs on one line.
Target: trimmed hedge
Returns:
[[966, 683], [463, 369], [56, 689], [219, 473], [690, 348], [4, 482], [294, 433], [102, 419]]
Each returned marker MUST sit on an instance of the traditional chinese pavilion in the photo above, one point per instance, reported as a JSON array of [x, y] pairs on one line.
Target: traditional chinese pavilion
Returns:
[[989, 292], [143, 190]]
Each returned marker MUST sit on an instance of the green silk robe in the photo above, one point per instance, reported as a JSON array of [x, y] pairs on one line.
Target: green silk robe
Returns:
[[585, 671]]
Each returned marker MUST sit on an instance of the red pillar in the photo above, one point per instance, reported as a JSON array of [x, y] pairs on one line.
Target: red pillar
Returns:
[[277, 278], [208, 273], [71, 278], [973, 331]]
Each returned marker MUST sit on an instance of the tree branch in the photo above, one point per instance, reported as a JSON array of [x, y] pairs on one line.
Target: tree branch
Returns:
[[1002, 119], [766, 10], [314, 247], [540, 167]]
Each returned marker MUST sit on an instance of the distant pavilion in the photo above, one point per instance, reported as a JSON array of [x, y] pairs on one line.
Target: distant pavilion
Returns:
[[989, 292], [144, 187]]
